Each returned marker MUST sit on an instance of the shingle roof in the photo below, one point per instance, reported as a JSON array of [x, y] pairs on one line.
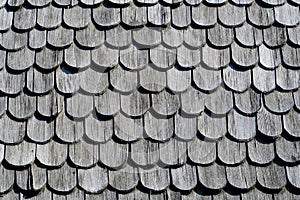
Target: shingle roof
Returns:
[[148, 99]]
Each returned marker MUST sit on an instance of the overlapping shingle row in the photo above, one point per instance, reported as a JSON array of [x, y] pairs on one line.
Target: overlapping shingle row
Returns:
[[147, 99]]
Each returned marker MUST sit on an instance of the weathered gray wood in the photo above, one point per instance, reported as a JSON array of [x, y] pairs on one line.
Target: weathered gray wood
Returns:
[[173, 152], [83, 154], [181, 16], [185, 128], [156, 178], [227, 196], [293, 35], [52, 153], [237, 80], [193, 2], [66, 83], [260, 153], [220, 101], [1, 152], [3, 104], [119, 37], [288, 151], [242, 128], [159, 14], [274, 3], [296, 96], [135, 194], [123, 80], [195, 195], [16, 129], [260, 16], [20, 60], [200, 13], [124, 179], [39, 3], [285, 194], [113, 154], [220, 59], [152, 80], [90, 36], [77, 17], [15, 3], [210, 127], [271, 177], [66, 2], [105, 16], [248, 102], [147, 37], [60, 37], [188, 58], [133, 58], [105, 57], [292, 174], [279, 102], [50, 104], [242, 176], [93, 82], [24, 18], [172, 37], [244, 57], [202, 152], [91, 2], [108, 103], [263, 80], [287, 79], [49, 17], [37, 39], [76, 57], [287, 15], [291, 123], [62, 179], [105, 195], [40, 131], [206, 79], [256, 194], [212, 176], [192, 101], [7, 178], [12, 40], [11, 83], [93, 180], [249, 36], [165, 103], [269, 58], [163, 57], [178, 80], [128, 129], [2, 58], [271, 36], [135, 104], [185, 177], [48, 58], [98, 130], [134, 16], [68, 130], [268, 123], [85, 108], [145, 152], [23, 178], [38, 82], [231, 152], [290, 57], [194, 37], [20, 154], [22, 107], [157, 128], [220, 36], [231, 15], [38, 177], [7, 19]]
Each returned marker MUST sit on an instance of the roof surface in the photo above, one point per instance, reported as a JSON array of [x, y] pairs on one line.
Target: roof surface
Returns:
[[143, 99]]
